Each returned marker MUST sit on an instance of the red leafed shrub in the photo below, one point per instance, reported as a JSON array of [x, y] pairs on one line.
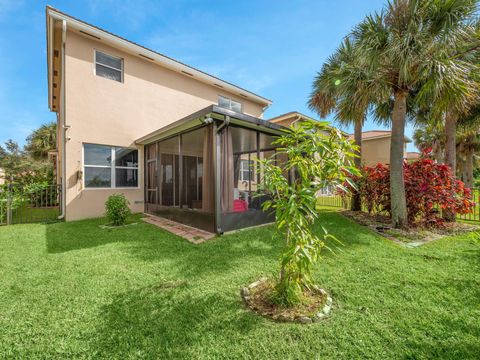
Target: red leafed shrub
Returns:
[[429, 187], [374, 188]]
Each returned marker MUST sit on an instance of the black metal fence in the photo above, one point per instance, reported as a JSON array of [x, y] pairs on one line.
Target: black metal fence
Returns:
[[474, 215], [21, 204], [329, 197]]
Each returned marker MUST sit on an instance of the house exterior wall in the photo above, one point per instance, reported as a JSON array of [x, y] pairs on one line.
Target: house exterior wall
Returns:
[[286, 122], [376, 151], [107, 112]]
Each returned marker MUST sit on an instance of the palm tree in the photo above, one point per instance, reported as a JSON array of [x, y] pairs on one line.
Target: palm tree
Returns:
[[339, 88], [468, 144], [41, 141], [412, 50], [431, 135]]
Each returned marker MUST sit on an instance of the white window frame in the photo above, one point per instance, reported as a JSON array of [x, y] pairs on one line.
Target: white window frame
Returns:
[[249, 169], [107, 66], [112, 167], [230, 101]]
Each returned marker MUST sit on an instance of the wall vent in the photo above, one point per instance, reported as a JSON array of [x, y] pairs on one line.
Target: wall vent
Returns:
[[86, 33], [146, 57]]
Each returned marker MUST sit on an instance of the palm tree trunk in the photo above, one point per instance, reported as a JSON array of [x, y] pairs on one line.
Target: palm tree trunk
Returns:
[[356, 204], [469, 168], [437, 151], [397, 184], [450, 152]]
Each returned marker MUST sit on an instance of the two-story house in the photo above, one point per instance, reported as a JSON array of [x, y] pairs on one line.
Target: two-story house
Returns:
[[176, 141], [376, 147], [375, 143]]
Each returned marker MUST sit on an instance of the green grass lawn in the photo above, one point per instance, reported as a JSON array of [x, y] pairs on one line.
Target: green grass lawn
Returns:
[[73, 290]]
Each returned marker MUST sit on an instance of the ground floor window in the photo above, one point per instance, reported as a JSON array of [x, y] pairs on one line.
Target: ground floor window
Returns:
[[110, 166]]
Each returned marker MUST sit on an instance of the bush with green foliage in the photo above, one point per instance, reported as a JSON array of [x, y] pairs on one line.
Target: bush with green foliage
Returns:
[[117, 210], [476, 178], [319, 156]]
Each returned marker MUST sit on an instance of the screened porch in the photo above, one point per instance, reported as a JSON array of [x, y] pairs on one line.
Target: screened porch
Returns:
[[201, 170]]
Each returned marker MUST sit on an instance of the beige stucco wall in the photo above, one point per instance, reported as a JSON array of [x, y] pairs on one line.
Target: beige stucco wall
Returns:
[[286, 122], [376, 151], [103, 111]]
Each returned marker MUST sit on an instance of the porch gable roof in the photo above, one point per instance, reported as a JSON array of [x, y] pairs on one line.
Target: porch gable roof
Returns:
[[206, 116]]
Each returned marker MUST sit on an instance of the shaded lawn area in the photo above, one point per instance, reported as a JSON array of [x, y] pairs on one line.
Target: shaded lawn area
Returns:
[[75, 290]]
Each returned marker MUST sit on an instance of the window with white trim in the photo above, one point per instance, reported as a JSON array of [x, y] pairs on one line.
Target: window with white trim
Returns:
[[109, 67], [246, 170], [229, 104], [110, 166]]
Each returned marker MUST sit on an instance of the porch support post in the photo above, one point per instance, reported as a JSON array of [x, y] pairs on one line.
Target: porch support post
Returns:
[[217, 157]]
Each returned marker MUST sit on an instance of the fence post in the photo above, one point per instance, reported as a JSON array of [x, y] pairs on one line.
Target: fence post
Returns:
[[9, 204]]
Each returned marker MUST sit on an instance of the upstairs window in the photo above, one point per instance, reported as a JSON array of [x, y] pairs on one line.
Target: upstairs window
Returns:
[[109, 67], [229, 104]]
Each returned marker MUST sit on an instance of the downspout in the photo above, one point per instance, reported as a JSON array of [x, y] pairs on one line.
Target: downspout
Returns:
[[63, 128], [217, 171]]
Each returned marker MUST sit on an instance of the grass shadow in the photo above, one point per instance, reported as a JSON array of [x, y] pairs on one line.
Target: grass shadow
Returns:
[[172, 322], [83, 234]]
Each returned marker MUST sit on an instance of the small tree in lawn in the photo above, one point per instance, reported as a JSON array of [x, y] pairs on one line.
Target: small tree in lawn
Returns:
[[317, 157]]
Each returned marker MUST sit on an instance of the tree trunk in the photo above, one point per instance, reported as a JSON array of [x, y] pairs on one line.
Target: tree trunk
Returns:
[[397, 146], [437, 151], [356, 204], [469, 168], [450, 152]]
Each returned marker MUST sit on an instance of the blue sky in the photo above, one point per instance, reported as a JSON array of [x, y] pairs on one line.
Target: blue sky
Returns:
[[273, 48]]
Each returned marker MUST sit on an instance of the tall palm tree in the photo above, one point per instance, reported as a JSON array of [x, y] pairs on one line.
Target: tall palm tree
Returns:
[[468, 144], [41, 141], [430, 135], [411, 48], [339, 88]]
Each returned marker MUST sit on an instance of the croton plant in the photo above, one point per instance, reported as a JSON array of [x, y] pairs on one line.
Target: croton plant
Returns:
[[430, 187]]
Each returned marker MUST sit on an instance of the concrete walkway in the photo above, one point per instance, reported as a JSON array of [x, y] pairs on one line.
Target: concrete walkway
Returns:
[[195, 236]]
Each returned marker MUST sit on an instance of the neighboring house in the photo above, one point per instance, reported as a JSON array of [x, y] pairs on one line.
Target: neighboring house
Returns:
[[413, 155], [375, 143], [376, 147], [2, 176], [175, 140], [290, 118]]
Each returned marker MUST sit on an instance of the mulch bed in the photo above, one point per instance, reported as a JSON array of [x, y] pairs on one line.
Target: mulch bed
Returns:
[[310, 310], [412, 237]]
